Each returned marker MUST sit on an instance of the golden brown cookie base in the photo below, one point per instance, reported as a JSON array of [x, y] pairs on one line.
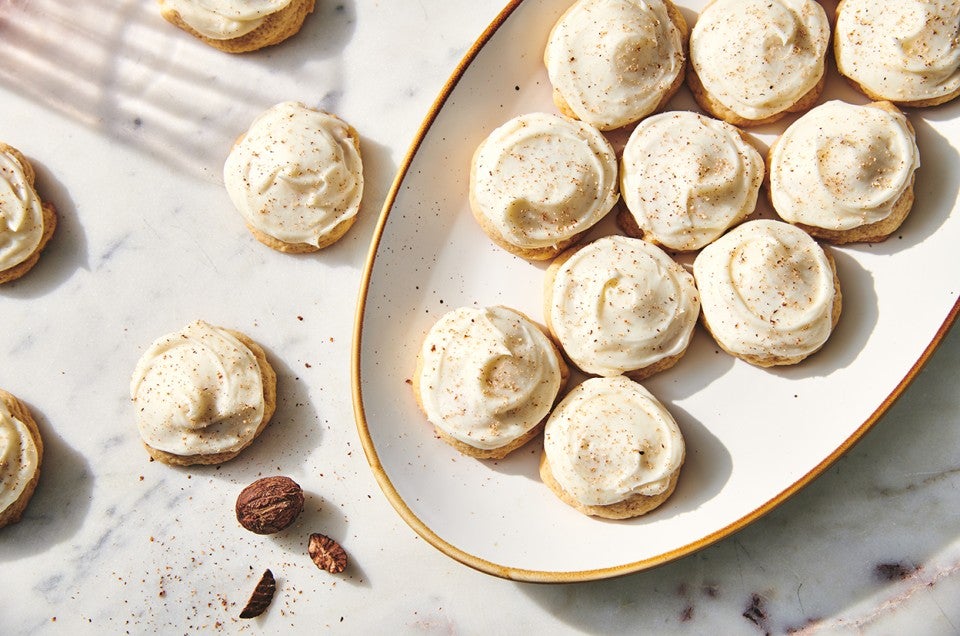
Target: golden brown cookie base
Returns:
[[710, 104], [501, 451], [920, 103], [871, 232], [275, 28], [681, 24], [628, 224], [652, 369], [269, 380], [548, 279], [633, 506], [491, 453], [14, 512], [49, 219], [772, 360], [328, 239]]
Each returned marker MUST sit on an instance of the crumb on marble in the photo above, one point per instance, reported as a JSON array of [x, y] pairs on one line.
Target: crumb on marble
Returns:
[[755, 612]]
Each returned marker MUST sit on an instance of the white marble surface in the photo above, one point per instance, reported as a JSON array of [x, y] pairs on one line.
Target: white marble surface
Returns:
[[128, 121]]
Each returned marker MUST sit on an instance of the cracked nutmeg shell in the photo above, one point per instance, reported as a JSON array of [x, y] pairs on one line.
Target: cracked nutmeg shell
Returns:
[[327, 553], [269, 504], [261, 597]]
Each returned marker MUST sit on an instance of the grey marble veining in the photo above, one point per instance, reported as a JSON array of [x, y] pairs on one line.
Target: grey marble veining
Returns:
[[128, 121]]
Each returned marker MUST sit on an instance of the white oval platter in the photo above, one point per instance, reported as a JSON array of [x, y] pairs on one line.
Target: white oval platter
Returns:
[[754, 436]]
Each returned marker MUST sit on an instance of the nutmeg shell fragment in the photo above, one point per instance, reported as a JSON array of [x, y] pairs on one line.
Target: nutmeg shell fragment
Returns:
[[327, 553], [269, 504], [261, 597]]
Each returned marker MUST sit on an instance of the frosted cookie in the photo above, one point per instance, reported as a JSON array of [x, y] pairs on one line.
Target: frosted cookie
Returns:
[[769, 293], [754, 61], [486, 379], [611, 449], [539, 181], [685, 179], [26, 222], [21, 452], [621, 305], [613, 62], [202, 395], [237, 26], [296, 177], [903, 51], [845, 173]]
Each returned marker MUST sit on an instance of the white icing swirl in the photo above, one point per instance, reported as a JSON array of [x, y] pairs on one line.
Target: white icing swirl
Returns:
[[19, 459], [759, 57], [296, 174], [224, 19], [613, 61], [841, 166], [540, 179], [198, 391], [620, 304], [487, 375], [21, 214], [767, 290], [687, 178], [610, 439], [903, 51]]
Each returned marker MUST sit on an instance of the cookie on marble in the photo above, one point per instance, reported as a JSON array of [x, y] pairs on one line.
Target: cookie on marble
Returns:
[[202, 395], [754, 61], [296, 177], [611, 449], [845, 173], [486, 378], [238, 26], [21, 453], [613, 62], [769, 293], [620, 306], [902, 51], [26, 222], [685, 179], [539, 181]]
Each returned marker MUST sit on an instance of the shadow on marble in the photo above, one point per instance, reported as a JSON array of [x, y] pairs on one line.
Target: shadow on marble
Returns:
[[293, 432], [355, 574], [141, 81], [324, 35], [847, 545], [320, 515], [67, 250], [59, 504]]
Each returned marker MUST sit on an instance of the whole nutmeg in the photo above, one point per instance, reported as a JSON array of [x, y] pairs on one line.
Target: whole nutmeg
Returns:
[[269, 505]]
